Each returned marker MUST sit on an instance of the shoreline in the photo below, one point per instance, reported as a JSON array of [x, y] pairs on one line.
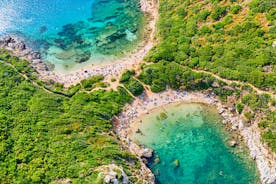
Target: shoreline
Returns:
[[110, 69], [125, 125], [266, 162]]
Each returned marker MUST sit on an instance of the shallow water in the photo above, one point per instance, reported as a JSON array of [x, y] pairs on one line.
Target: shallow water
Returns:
[[191, 146], [69, 32]]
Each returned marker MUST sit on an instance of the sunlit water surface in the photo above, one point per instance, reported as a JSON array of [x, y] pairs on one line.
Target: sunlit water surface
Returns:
[[72, 33]]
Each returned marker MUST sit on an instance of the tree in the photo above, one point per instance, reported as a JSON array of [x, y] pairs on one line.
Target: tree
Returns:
[[219, 12]]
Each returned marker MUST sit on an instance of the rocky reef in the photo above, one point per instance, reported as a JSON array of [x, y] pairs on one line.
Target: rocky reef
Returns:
[[114, 28]]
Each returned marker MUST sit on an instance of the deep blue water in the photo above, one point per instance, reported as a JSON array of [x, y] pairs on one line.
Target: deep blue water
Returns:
[[191, 147], [67, 32]]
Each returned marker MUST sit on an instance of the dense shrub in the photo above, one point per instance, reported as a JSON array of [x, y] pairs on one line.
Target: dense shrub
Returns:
[[88, 83], [127, 75], [205, 30], [134, 87], [239, 107], [235, 9], [261, 6], [47, 136], [219, 12], [202, 16]]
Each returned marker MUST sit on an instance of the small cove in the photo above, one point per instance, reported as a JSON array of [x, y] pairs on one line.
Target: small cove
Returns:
[[71, 34], [191, 146]]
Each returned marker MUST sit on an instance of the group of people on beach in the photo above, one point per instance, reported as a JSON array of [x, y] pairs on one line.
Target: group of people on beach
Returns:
[[114, 69], [148, 101]]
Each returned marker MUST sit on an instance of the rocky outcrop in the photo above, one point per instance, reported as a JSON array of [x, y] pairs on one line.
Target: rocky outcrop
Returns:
[[19, 49], [146, 153], [143, 154], [147, 5], [266, 161], [112, 174], [233, 143]]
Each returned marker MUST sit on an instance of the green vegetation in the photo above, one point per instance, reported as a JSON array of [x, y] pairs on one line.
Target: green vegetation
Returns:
[[219, 12], [239, 107], [113, 79], [256, 102], [89, 84], [48, 136], [48, 133], [126, 75], [262, 104], [134, 87], [235, 9], [163, 116], [247, 102], [177, 77], [159, 75], [230, 38]]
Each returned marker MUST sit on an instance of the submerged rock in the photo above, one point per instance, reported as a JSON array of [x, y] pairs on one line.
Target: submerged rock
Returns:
[[138, 131], [163, 116], [233, 143], [42, 29], [176, 163], [156, 160], [83, 58], [156, 172], [147, 153]]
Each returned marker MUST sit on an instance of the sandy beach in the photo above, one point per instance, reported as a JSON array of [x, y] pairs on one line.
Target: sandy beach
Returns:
[[144, 104], [110, 69], [116, 67], [126, 124]]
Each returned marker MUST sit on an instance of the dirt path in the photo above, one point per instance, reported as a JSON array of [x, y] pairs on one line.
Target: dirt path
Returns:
[[26, 77], [227, 81], [32, 81]]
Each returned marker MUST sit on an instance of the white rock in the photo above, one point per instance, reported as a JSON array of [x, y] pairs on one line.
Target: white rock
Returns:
[[147, 153], [274, 44]]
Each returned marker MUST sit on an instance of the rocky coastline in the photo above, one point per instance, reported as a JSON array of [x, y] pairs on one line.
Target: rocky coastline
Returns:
[[266, 161], [17, 46], [250, 135], [113, 69]]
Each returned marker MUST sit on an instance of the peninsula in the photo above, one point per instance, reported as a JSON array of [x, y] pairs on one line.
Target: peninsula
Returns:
[[202, 74]]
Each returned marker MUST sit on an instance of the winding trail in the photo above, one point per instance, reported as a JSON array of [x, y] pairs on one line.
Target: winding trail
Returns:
[[53, 92], [228, 81], [26, 77]]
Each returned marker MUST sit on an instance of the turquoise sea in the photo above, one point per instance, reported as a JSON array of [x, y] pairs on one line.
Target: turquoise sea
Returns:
[[71, 32], [191, 147]]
